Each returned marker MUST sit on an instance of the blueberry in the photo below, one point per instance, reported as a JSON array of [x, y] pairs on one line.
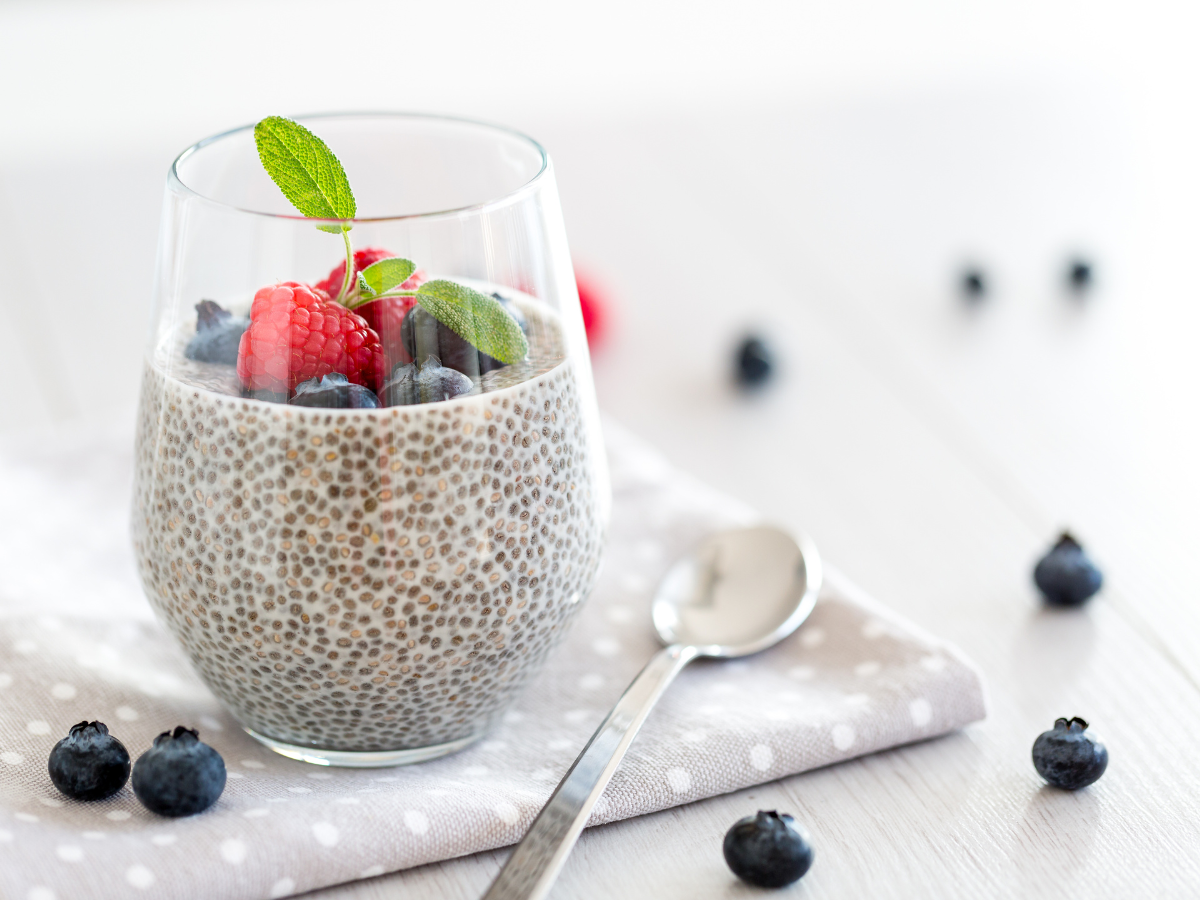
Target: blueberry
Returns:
[[424, 337], [334, 391], [401, 389], [1067, 756], [973, 283], [754, 362], [89, 763], [768, 850], [217, 336], [1065, 575], [513, 310], [433, 382], [179, 775], [1079, 275]]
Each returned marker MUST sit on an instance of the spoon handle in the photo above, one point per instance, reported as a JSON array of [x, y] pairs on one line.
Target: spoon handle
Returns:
[[536, 861]]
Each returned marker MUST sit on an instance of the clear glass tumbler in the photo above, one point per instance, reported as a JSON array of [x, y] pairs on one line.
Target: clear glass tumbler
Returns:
[[368, 586]]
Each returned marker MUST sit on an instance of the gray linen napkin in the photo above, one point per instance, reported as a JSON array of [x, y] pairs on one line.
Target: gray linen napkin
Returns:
[[854, 680]]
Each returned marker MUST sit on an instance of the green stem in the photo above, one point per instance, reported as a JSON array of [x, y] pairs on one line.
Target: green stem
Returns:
[[349, 266]]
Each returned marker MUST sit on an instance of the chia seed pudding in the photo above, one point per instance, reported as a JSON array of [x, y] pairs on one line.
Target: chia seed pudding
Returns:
[[362, 580]]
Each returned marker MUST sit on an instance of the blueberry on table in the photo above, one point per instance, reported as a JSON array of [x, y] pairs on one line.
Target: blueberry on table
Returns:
[[1079, 275], [1067, 756], [89, 763], [973, 284], [179, 775], [754, 362], [768, 849], [217, 336], [334, 391], [1065, 575]]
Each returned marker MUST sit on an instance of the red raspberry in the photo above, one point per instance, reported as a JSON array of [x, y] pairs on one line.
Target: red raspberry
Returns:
[[593, 303], [362, 258], [297, 333], [385, 317]]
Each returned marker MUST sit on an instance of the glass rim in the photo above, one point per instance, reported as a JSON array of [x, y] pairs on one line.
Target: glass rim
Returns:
[[174, 182]]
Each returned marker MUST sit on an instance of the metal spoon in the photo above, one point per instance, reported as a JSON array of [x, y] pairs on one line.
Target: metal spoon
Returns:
[[740, 592]]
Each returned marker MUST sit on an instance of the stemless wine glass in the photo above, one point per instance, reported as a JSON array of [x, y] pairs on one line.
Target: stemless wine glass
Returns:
[[369, 587]]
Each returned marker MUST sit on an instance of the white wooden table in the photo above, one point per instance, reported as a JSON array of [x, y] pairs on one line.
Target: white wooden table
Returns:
[[931, 449]]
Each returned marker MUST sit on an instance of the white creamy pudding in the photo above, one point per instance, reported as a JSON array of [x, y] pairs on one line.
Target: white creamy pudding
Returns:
[[368, 580]]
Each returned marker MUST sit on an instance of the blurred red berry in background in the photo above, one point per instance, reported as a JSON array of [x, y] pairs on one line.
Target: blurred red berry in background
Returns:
[[594, 302]]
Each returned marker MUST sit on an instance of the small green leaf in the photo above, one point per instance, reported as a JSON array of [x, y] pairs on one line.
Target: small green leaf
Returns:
[[306, 170], [384, 275], [476, 318]]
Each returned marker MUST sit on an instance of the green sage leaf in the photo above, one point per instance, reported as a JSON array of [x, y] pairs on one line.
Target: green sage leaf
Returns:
[[476, 318], [306, 170], [384, 275]]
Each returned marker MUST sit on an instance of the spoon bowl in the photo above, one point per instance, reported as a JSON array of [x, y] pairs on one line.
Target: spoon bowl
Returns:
[[737, 593]]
